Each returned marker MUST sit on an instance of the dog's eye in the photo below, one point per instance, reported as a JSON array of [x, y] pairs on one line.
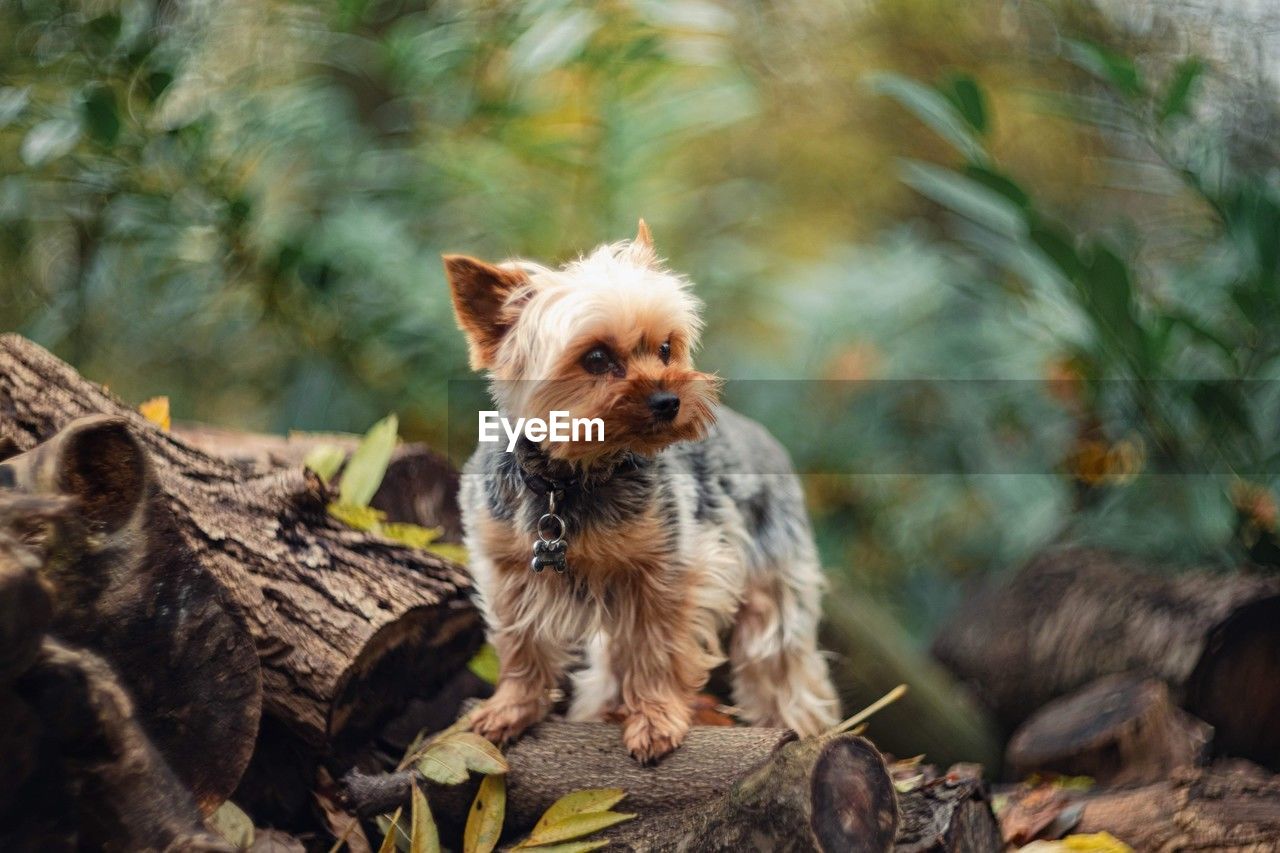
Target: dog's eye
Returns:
[[664, 352], [597, 361]]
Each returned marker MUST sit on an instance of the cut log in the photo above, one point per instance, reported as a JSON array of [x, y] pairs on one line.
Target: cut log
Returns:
[[97, 782], [723, 789], [1119, 730], [80, 773], [346, 624], [420, 486], [948, 813], [1231, 807], [1075, 615], [122, 584]]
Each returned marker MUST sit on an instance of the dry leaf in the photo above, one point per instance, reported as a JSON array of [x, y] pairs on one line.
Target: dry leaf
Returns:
[[233, 824], [1097, 842], [1025, 817], [156, 410], [484, 823], [444, 764], [575, 815], [389, 833], [478, 753], [424, 838]]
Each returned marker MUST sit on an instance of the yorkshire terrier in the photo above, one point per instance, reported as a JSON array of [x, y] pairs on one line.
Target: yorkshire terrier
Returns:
[[683, 523]]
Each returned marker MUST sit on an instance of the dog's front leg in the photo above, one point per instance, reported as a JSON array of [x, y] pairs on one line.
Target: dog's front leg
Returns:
[[529, 667], [660, 668]]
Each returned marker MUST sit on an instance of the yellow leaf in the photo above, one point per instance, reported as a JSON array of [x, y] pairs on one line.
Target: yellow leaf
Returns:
[[484, 823], [1097, 842], [360, 517], [478, 754], [574, 826], [485, 663], [571, 846], [156, 410], [233, 824], [389, 840], [580, 802], [413, 535], [425, 838], [444, 764], [449, 550]]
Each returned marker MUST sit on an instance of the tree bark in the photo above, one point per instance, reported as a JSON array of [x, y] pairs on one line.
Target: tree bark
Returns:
[[346, 624], [1232, 807], [949, 814], [1072, 616], [420, 486], [1119, 730], [80, 773], [725, 788], [120, 582]]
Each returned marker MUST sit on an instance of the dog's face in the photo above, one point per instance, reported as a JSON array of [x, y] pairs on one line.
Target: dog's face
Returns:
[[609, 336]]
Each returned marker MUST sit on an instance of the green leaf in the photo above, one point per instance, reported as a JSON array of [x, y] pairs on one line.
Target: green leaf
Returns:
[[477, 753], [965, 196], [932, 108], [485, 663], [573, 827], [326, 460], [484, 822], [233, 824], [49, 140], [1110, 67], [444, 764], [368, 464], [969, 100], [591, 800], [1177, 97], [1058, 249], [1000, 183], [101, 115], [425, 838], [360, 517]]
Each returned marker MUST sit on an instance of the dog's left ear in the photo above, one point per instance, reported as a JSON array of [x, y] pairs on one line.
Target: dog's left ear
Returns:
[[480, 291]]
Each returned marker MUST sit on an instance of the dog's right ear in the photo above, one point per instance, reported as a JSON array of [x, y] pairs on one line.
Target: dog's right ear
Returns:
[[480, 291]]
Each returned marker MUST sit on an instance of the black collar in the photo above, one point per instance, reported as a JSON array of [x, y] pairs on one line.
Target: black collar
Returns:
[[543, 475]]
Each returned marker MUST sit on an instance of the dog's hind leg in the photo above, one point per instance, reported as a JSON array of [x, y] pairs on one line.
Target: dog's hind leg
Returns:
[[779, 676]]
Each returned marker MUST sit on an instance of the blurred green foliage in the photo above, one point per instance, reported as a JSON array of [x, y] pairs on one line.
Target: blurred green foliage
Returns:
[[242, 205]]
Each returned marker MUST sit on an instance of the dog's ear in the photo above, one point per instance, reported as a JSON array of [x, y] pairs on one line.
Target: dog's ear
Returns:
[[644, 238], [480, 291]]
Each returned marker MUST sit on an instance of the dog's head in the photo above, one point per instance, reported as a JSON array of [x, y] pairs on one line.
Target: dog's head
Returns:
[[609, 336]]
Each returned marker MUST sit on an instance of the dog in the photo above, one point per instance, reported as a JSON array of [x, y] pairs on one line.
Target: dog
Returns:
[[682, 524]]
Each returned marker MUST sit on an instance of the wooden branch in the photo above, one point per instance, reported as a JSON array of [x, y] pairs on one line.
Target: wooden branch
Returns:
[[1232, 807], [420, 486], [1072, 616], [949, 813], [1119, 730], [724, 789], [345, 624]]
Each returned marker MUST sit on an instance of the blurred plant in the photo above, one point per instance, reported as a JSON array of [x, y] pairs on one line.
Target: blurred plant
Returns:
[[1168, 363]]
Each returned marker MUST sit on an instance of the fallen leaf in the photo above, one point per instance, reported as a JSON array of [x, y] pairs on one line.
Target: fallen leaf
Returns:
[[1097, 842], [156, 410], [1025, 817], [574, 827], [580, 802], [360, 517], [326, 460], [443, 764], [424, 838], [368, 464], [390, 829], [479, 754], [484, 822], [233, 824], [485, 664]]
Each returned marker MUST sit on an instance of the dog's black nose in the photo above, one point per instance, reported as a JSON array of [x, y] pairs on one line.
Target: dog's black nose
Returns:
[[664, 405]]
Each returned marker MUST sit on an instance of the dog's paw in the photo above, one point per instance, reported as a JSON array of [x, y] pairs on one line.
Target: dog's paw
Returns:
[[654, 732], [502, 719]]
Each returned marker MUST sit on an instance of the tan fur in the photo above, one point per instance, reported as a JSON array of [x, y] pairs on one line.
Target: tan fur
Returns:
[[647, 618]]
